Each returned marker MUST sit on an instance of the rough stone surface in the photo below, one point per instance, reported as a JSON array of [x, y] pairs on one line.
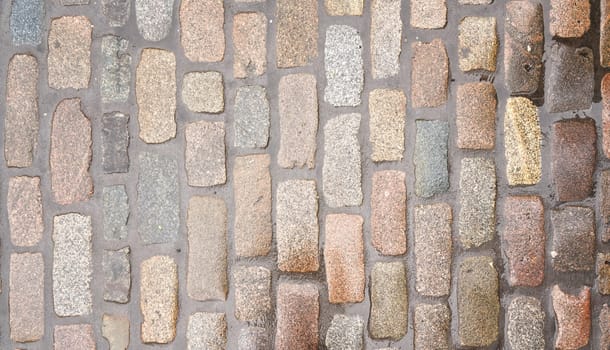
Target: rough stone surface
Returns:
[[297, 32], [430, 158], [525, 324], [522, 142], [386, 38], [74, 336], [433, 248], [523, 240], [574, 153], [201, 30], [117, 275], [253, 338], [252, 118], [569, 18], [205, 154], [603, 199], [604, 327], [429, 74], [115, 329], [297, 226], [476, 115], [115, 141], [477, 218], [206, 224], [72, 265], [158, 299], [341, 172], [388, 111], [572, 318], [207, 330], [298, 108], [432, 326], [428, 14], [389, 306], [297, 312], [478, 302], [570, 80], [604, 33], [154, 18], [389, 212], [24, 207], [115, 77], [115, 204], [573, 238], [249, 44], [26, 21], [345, 333], [69, 61], [21, 121], [344, 66], [252, 195], [26, 297], [478, 44], [603, 273], [116, 12], [475, 2], [523, 46], [203, 92], [158, 200], [252, 285], [605, 92], [344, 7]]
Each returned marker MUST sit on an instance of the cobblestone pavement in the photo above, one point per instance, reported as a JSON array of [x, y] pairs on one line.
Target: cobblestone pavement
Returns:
[[303, 174]]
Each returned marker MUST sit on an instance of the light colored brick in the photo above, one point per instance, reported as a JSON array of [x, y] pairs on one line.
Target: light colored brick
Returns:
[[386, 38], [24, 206], [158, 299], [387, 109], [26, 297], [205, 154], [432, 326], [154, 18]]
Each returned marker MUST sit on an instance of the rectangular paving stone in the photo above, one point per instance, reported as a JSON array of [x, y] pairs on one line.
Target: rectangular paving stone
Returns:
[[429, 74], [477, 218], [389, 306], [158, 199], [297, 228], [430, 157], [428, 14], [21, 121], [203, 92], [475, 2], [26, 297], [74, 336], [72, 265], [605, 92], [478, 302], [603, 200], [523, 240], [252, 285], [573, 246], [344, 7], [115, 203], [115, 143], [115, 329], [252, 194], [572, 318], [249, 44], [298, 106], [522, 142], [344, 258], [117, 275], [602, 269], [69, 59], [570, 81], [158, 299], [297, 312], [386, 38], [201, 30], [115, 77], [206, 224], [389, 212], [604, 33], [156, 95], [70, 155], [604, 327], [154, 18], [525, 324], [344, 66], [297, 32], [341, 170], [432, 326], [569, 18], [251, 115], [433, 247], [253, 338], [116, 12], [205, 154], [574, 152], [475, 111], [523, 46], [207, 330], [478, 43], [24, 207], [345, 332], [388, 111], [26, 22]]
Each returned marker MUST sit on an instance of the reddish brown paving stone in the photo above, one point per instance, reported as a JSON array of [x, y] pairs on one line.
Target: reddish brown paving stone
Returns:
[[569, 18], [297, 312], [572, 318], [603, 273], [249, 42], [158, 299], [201, 30], [603, 199], [297, 32], [69, 61], [604, 327], [74, 337], [604, 33], [429, 74], [570, 78], [605, 91], [389, 212], [476, 115], [24, 206], [26, 297], [205, 154], [573, 247]]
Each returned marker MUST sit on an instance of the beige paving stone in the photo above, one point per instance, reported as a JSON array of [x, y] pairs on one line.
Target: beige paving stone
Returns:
[[252, 285], [69, 59], [522, 142], [158, 299], [201, 30], [205, 154], [203, 92], [569, 18], [432, 326], [428, 14], [74, 337], [26, 297], [115, 329], [476, 115], [249, 44], [344, 7], [389, 212], [604, 34], [389, 305], [207, 330], [297, 32], [429, 74], [297, 313], [478, 42], [24, 206], [387, 110], [386, 38], [602, 269], [572, 317]]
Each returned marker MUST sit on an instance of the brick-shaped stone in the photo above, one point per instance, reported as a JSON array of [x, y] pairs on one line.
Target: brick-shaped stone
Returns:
[[251, 117], [117, 275], [569, 18], [342, 172], [253, 338], [26, 21], [433, 248], [69, 59], [21, 121], [522, 142], [205, 154], [26, 297], [344, 7], [570, 78], [605, 92], [572, 318], [203, 92], [115, 77], [298, 101], [574, 150], [430, 157], [386, 38], [523, 240], [24, 206], [603, 199], [573, 238], [345, 333], [297, 226], [389, 212], [477, 218], [344, 66], [476, 115], [602, 269], [116, 12], [604, 327], [429, 74], [115, 203], [388, 111], [252, 285], [115, 143], [201, 30], [154, 18], [525, 324], [478, 44], [74, 336], [158, 299], [297, 32], [249, 44], [428, 14], [156, 95], [604, 33], [478, 302], [297, 312], [207, 330], [389, 306], [72, 265], [432, 326], [475, 2], [206, 224], [252, 194], [115, 329]]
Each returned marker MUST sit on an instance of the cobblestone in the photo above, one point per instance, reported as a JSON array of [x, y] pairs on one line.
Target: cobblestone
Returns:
[[476, 116], [430, 158], [250, 44], [203, 92], [26, 21], [603, 273], [344, 66], [115, 212], [69, 59], [116, 72], [154, 18], [158, 299], [522, 142], [428, 14], [478, 42], [572, 318], [429, 74], [525, 324], [26, 297], [115, 328], [389, 305], [252, 293], [297, 313], [207, 330], [573, 238], [115, 143], [116, 12], [74, 336], [253, 338], [432, 326], [387, 109], [24, 206], [345, 333], [297, 32], [252, 118], [389, 212], [205, 154], [201, 30], [569, 18], [386, 35], [117, 275], [344, 7], [569, 84]]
